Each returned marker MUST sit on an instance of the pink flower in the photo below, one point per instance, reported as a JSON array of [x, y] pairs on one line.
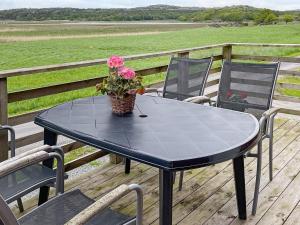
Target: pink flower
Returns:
[[126, 73], [115, 62]]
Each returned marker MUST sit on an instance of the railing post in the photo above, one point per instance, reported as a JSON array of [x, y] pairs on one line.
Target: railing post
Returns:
[[184, 54], [114, 159], [3, 119], [227, 52]]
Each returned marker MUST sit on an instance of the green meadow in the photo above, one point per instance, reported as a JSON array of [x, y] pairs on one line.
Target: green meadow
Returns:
[[18, 53]]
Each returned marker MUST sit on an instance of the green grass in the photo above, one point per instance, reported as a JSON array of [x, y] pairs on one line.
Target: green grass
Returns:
[[290, 92], [36, 53], [290, 80]]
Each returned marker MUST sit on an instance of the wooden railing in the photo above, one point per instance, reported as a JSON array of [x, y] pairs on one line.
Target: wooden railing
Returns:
[[10, 97]]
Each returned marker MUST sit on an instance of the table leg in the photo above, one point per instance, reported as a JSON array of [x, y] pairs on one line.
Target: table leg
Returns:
[[239, 176], [50, 138], [127, 165], [165, 197]]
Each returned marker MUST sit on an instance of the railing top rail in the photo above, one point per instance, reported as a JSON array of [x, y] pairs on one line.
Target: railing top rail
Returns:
[[264, 45], [48, 68]]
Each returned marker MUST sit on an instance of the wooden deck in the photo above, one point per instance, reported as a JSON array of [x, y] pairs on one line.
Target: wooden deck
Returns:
[[208, 195]]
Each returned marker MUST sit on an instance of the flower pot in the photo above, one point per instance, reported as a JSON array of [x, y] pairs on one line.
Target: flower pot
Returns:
[[121, 106]]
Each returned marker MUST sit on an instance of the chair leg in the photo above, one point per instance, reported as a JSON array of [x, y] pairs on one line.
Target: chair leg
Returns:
[[20, 205], [180, 180], [271, 157], [271, 130], [258, 175]]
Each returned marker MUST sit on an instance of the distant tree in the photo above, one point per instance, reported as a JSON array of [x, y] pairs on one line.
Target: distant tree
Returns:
[[266, 16], [182, 18], [236, 14], [271, 19], [288, 18]]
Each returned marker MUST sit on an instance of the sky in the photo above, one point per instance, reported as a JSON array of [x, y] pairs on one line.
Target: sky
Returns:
[[272, 4]]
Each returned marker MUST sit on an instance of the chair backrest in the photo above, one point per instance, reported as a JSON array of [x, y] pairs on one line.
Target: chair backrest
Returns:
[[6, 215], [247, 87], [186, 77]]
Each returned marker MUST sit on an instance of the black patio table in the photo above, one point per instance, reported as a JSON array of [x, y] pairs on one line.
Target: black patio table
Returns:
[[168, 134]]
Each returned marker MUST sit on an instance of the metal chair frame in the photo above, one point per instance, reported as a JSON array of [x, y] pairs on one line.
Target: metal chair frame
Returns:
[[50, 181]]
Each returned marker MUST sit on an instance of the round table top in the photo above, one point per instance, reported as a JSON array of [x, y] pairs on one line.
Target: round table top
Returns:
[[174, 135]]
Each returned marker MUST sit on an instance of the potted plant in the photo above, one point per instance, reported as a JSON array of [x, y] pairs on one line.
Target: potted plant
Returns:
[[121, 85]]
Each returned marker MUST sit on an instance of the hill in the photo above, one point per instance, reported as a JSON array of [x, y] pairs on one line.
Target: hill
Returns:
[[153, 12]]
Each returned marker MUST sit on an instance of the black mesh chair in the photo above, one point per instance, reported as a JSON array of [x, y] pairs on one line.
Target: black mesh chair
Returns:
[[15, 185], [248, 87], [185, 78], [67, 208]]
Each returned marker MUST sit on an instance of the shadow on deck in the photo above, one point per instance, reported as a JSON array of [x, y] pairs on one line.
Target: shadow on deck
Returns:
[[208, 195]]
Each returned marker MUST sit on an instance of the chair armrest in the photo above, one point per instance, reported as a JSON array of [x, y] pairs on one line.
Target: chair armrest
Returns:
[[106, 201], [12, 145], [16, 163], [198, 99], [271, 113], [269, 116], [57, 149], [151, 90], [42, 148]]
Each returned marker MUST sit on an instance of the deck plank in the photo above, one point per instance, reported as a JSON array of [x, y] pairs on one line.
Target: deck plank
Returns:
[[222, 205], [287, 201], [273, 190], [294, 217], [281, 155], [228, 212], [183, 208]]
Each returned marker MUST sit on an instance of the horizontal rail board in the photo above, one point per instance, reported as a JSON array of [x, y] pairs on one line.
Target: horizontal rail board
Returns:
[[84, 160], [264, 45], [49, 68], [24, 118], [266, 58], [37, 137], [288, 86], [72, 146], [212, 82], [289, 72], [286, 98], [29, 139], [290, 111], [212, 94], [50, 90]]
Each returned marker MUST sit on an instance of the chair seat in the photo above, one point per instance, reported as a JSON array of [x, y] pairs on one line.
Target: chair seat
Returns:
[[25, 180], [62, 208]]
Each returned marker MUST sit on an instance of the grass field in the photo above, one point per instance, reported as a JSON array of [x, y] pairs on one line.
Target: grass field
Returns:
[[17, 54]]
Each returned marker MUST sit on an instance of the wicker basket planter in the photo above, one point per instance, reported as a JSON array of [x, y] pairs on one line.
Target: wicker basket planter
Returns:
[[122, 106]]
